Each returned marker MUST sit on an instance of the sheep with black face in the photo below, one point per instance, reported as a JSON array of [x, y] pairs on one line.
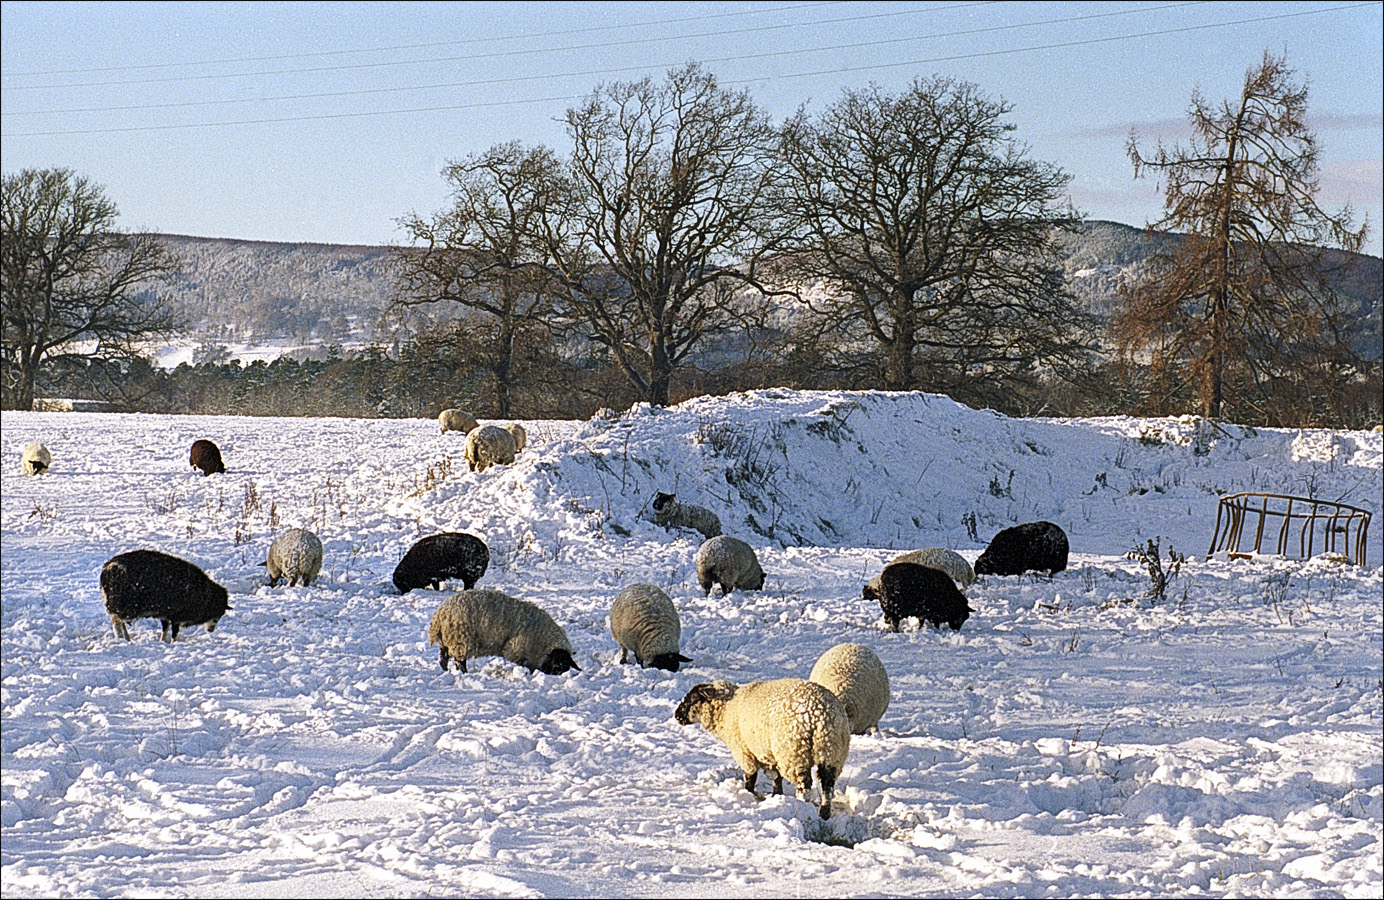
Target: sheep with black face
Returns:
[[490, 623], [643, 619]]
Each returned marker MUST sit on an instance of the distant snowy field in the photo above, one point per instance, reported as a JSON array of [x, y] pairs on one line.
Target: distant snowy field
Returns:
[[1075, 738]]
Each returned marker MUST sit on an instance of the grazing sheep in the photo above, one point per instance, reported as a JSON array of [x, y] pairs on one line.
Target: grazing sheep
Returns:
[[729, 562], [909, 589], [1031, 547], [488, 445], [206, 456], [489, 623], [949, 561], [456, 420], [669, 513], [521, 437], [788, 725], [147, 584], [854, 674], [434, 559], [36, 459], [296, 555], [643, 619]]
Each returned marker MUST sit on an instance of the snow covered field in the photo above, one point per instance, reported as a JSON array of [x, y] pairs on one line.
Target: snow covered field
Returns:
[[1076, 738]]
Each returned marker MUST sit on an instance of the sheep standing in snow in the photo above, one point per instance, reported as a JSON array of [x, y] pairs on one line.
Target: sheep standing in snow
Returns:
[[643, 619], [488, 445], [669, 513], [456, 420], [296, 555], [147, 584], [1031, 547], [907, 589], [854, 674], [206, 456], [729, 562], [788, 725], [521, 437], [489, 623], [949, 561], [36, 459], [434, 559]]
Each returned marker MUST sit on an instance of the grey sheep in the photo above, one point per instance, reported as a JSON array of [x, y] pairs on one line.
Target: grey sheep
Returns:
[[949, 561], [206, 456], [521, 437], [489, 623], [438, 557], [854, 674], [147, 584], [1031, 547], [643, 619], [36, 459], [456, 420], [787, 725], [729, 562], [488, 445], [295, 555], [669, 513], [907, 589]]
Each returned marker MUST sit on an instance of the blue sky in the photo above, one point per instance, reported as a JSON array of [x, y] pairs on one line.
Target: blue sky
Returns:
[[328, 121]]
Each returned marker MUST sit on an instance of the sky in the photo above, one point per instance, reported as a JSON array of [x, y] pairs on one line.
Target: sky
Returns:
[[328, 122]]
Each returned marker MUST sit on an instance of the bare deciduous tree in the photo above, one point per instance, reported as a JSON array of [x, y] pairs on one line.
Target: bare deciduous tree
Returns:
[[931, 237], [69, 281], [1241, 310]]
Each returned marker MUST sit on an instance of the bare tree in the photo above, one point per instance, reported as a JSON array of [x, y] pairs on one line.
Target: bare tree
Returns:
[[1242, 309], [69, 281], [930, 236], [483, 254], [662, 213]]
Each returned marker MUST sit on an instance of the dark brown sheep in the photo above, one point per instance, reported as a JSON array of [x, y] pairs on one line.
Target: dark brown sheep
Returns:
[[1031, 547], [908, 589], [206, 456], [147, 584], [434, 559]]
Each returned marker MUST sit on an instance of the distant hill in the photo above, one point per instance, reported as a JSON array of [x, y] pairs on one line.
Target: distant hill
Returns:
[[305, 297]]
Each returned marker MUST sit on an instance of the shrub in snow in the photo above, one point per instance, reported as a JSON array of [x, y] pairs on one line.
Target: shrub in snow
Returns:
[[669, 513], [906, 589], [456, 420], [489, 623], [643, 619], [787, 725], [295, 555], [206, 456], [36, 459], [729, 562], [147, 584], [1031, 547], [854, 674], [489, 445], [438, 557]]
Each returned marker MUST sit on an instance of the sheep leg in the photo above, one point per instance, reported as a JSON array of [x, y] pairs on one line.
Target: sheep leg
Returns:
[[121, 630], [778, 783], [166, 625], [443, 657], [827, 775], [623, 656], [749, 783]]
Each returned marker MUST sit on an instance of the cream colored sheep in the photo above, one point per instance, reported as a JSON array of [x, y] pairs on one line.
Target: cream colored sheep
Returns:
[[488, 623], [296, 555], [669, 513], [521, 437], [36, 459], [643, 619], [854, 673], [456, 420], [788, 725], [729, 562], [949, 561], [488, 445]]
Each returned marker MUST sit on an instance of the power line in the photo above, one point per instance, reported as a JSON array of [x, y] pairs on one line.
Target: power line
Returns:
[[777, 76], [510, 79]]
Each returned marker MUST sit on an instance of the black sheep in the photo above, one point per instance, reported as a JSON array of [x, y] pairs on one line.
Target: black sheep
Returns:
[[1031, 547], [206, 456], [147, 584], [908, 589], [438, 557]]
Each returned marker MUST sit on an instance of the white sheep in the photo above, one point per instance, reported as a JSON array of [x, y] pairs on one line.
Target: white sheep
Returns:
[[787, 725], [854, 673], [36, 459], [521, 437], [948, 561], [729, 562], [488, 445], [643, 619], [296, 555], [669, 513], [456, 420], [489, 623]]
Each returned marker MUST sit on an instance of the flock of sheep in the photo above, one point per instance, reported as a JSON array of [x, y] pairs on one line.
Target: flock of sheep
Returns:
[[788, 726]]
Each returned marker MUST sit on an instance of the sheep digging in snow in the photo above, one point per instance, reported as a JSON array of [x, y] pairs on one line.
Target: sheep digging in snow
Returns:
[[36, 459], [855, 674], [147, 584], [1031, 547], [729, 562], [438, 557], [455, 420], [206, 456], [296, 555], [490, 623], [643, 619], [908, 589], [488, 445]]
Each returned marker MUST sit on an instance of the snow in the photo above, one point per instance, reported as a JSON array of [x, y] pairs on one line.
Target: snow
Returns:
[[1075, 738]]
